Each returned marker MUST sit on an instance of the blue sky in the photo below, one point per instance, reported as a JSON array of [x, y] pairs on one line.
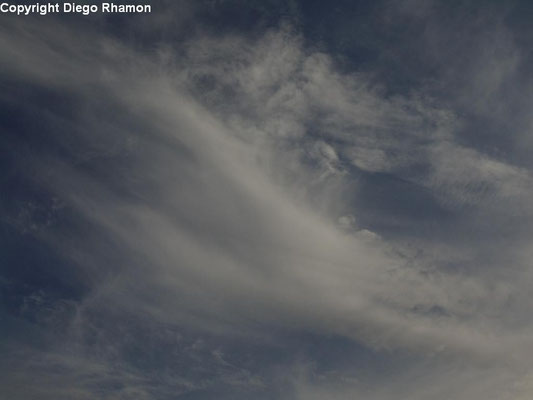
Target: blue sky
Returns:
[[271, 200]]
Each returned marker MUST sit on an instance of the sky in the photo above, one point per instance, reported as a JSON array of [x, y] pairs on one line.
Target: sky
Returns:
[[293, 200]]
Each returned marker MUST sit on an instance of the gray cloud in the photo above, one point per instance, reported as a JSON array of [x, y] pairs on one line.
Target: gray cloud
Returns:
[[217, 189]]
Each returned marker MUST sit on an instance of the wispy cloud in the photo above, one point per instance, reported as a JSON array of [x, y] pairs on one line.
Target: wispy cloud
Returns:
[[217, 189]]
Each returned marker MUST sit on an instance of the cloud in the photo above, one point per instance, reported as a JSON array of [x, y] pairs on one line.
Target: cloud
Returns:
[[215, 189]]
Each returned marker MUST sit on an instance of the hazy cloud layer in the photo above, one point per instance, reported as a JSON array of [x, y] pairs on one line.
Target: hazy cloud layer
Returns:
[[225, 215]]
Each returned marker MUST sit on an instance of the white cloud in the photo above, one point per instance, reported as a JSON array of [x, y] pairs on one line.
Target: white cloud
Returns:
[[225, 216]]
